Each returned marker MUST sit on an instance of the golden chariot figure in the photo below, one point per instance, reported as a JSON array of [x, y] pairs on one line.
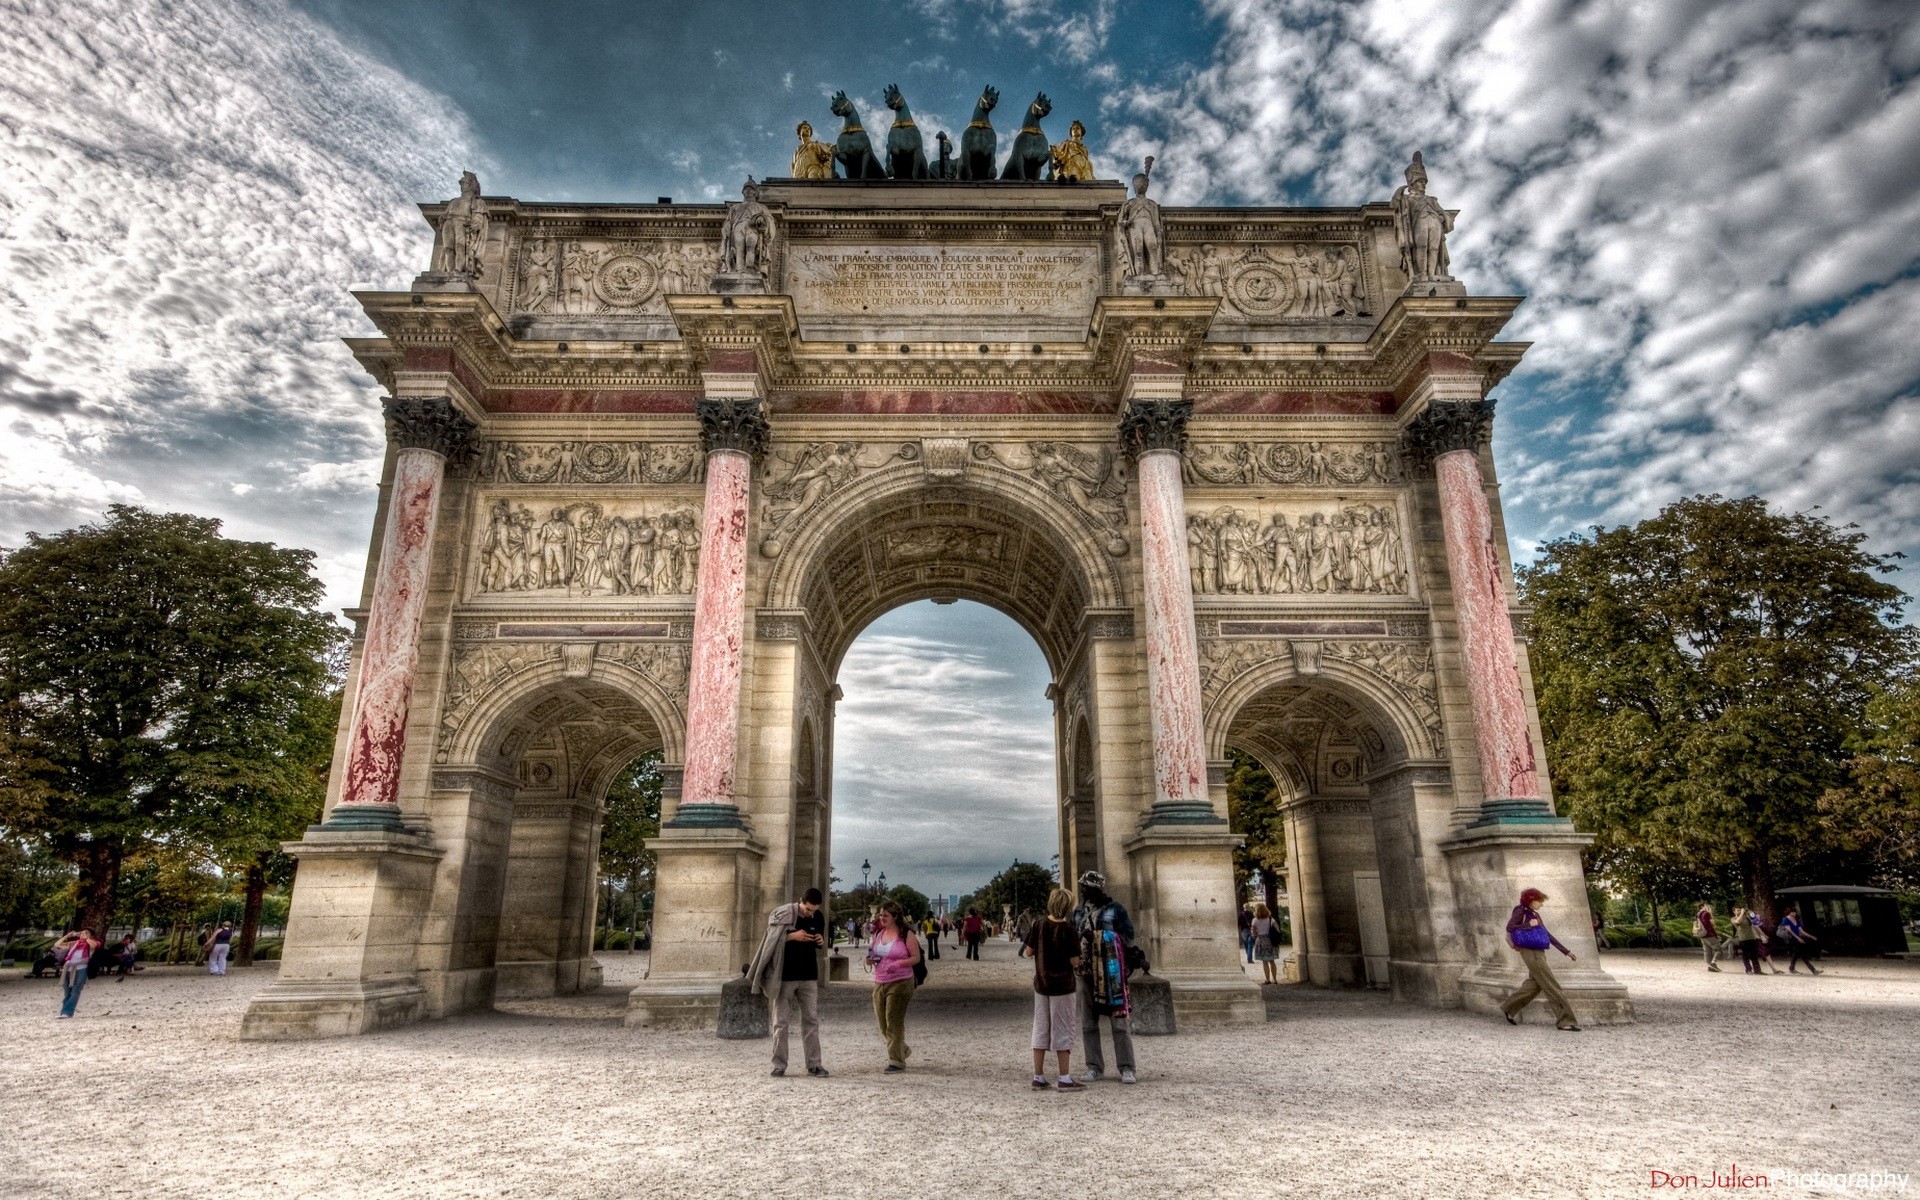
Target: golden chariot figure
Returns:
[[813, 160], [1069, 158]]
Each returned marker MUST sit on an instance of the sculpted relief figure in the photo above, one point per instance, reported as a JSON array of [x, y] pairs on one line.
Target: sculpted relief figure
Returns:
[[537, 288], [1356, 549], [816, 473], [1085, 480], [1140, 234], [812, 160], [583, 550], [746, 237], [1068, 162], [462, 237], [1421, 226], [1312, 463]]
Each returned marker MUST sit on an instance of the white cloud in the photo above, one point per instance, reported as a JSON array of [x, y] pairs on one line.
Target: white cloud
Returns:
[[186, 194], [1715, 209]]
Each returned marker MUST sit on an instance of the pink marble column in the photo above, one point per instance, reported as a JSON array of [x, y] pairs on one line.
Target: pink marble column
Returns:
[[1155, 434], [1450, 434], [735, 432], [426, 431]]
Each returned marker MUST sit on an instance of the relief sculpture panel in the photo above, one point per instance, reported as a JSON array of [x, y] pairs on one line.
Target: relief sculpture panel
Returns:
[[589, 462], [1351, 548], [1295, 463], [588, 548], [626, 277], [812, 473], [1087, 480], [1299, 281]]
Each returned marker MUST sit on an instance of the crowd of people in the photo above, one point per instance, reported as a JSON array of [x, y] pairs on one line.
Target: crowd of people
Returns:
[[1083, 955], [1755, 941], [78, 955]]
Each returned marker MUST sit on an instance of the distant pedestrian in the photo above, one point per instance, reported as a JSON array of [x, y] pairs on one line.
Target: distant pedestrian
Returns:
[[1599, 931], [1709, 935], [786, 970], [1529, 937], [128, 954], [1106, 934], [1765, 942], [973, 931], [1055, 946], [217, 954], [1799, 942], [932, 931], [1246, 931], [75, 952], [1266, 942], [892, 956], [1747, 935]]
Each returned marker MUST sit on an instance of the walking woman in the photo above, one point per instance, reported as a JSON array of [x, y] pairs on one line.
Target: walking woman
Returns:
[[892, 955], [1528, 935], [1798, 941], [1766, 945], [74, 951], [1266, 942], [1748, 935]]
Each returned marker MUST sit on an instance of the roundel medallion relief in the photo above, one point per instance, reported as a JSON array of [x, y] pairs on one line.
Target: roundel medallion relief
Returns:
[[626, 281], [1260, 289]]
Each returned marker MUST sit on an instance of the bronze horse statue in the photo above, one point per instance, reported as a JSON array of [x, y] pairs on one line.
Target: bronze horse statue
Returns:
[[906, 154], [979, 143], [1031, 152], [854, 151]]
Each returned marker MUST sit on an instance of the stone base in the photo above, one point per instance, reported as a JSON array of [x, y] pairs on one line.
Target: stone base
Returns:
[[1148, 285], [739, 285], [1234, 999], [1435, 287], [1597, 998], [442, 281], [1151, 998], [674, 1006], [744, 1016], [295, 1010], [837, 969]]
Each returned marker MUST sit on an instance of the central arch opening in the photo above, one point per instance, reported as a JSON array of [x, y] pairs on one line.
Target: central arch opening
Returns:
[[944, 765]]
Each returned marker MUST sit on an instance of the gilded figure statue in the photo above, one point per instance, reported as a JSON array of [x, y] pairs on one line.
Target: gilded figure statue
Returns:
[[1140, 232], [462, 235], [812, 160], [1421, 226], [1068, 160], [745, 236]]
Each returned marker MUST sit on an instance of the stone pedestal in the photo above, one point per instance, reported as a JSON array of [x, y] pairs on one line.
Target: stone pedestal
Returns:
[[442, 281], [744, 284], [1183, 882], [352, 933], [700, 941], [1435, 287], [1485, 861], [1149, 285]]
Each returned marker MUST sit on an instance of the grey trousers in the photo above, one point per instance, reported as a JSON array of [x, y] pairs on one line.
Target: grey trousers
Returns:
[[1090, 1034], [805, 993], [1712, 946]]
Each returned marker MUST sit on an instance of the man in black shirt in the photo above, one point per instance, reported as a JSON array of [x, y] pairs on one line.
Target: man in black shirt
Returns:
[[787, 971]]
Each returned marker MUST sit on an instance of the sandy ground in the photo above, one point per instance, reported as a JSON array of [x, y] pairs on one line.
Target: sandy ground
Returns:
[[149, 1093]]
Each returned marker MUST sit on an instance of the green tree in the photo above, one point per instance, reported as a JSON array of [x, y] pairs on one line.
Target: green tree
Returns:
[[1877, 811], [915, 904], [1699, 675], [1253, 810], [144, 663], [1023, 886], [630, 820]]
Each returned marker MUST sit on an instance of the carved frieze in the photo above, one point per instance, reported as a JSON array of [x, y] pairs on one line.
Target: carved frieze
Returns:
[[588, 548], [1297, 549], [1297, 281], [591, 462], [1302, 464], [803, 478], [480, 668], [609, 277], [1086, 479], [1404, 667], [665, 664]]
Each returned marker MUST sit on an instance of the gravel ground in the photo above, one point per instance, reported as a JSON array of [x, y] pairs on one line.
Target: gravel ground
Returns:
[[1339, 1095]]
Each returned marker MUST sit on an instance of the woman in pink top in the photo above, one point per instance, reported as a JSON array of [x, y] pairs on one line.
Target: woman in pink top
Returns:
[[891, 957]]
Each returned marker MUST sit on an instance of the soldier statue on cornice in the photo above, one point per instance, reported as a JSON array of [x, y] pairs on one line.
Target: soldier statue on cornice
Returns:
[[460, 241], [746, 238], [1421, 227], [1140, 237]]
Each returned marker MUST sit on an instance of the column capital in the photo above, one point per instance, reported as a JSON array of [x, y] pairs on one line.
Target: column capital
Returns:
[[427, 423], [1448, 425], [733, 424], [1149, 425]]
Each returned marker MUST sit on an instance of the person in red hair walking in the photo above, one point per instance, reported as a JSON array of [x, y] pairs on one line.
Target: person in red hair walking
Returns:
[[1528, 935]]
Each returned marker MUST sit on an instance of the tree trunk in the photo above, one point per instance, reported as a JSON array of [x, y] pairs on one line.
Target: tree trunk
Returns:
[[250, 916], [633, 911], [1757, 874], [1656, 936], [1272, 889], [99, 864], [179, 944]]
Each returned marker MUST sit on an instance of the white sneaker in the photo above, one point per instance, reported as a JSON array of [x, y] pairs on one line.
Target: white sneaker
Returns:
[[1126, 1075], [1093, 1076]]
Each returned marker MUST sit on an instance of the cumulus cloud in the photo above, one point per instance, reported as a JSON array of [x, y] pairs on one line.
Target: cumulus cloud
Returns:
[[943, 750], [1715, 208], [186, 194]]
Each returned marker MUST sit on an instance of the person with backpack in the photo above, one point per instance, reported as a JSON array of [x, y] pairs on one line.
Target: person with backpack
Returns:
[[1266, 942], [895, 960], [218, 947], [75, 952], [1747, 935], [1709, 936], [1106, 935], [1766, 945], [1054, 944], [786, 970], [973, 931], [1528, 935], [1798, 941], [931, 929]]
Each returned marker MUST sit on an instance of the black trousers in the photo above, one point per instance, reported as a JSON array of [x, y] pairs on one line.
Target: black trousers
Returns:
[[973, 948], [1803, 952], [933, 946], [1750, 955]]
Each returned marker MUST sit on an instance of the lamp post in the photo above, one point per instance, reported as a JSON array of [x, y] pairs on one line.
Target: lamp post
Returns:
[[865, 866]]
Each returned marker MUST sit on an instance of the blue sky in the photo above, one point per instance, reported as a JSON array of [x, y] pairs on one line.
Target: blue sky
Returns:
[[1713, 209]]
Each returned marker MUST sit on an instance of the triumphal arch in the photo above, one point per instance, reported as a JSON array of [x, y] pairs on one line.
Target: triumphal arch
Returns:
[[652, 467]]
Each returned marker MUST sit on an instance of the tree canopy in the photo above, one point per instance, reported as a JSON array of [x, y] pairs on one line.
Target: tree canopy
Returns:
[[1253, 810], [1022, 886], [1701, 676], [158, 680]]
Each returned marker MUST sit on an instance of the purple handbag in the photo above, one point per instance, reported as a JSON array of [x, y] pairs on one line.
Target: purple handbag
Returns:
[[1532, 937]]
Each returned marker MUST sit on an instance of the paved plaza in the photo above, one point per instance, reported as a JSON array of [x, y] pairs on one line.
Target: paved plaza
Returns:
[[150, 1092]]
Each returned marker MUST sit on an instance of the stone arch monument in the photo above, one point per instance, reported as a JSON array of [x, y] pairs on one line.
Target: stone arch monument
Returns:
[[634, 502]]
